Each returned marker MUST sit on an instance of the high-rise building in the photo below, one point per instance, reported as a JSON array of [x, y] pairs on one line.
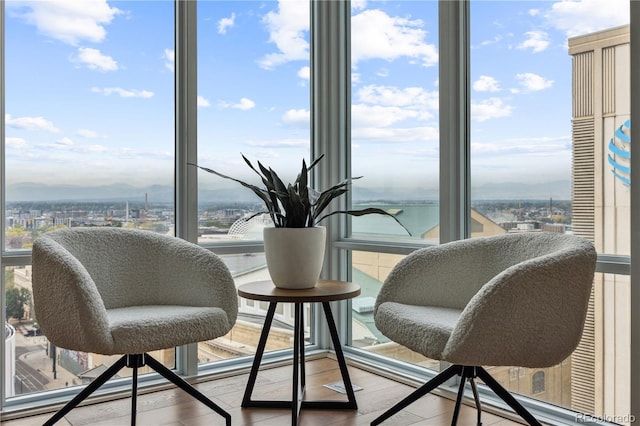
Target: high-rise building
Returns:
[[601, 213]]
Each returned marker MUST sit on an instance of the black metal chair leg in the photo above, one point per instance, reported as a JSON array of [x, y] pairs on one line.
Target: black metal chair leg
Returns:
[[456, 409], [469, 373], [133, 363], [476, 398], [506, 396], [182, 384], [91, 387], [420, 392]]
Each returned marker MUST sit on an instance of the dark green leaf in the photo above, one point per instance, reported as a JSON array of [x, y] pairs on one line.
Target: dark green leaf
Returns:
[[370, 210]]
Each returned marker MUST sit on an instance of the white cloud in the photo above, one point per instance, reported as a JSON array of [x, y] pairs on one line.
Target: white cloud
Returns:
[[412, 97], [489, 108], [358, 4], [304, 73], [383, 72], [97, 148], [287, 28], [586, 16], [395, 134], [67, 21], [280, 143], [244, 104], [65, 141], [496, 39], [379, 116], [533, 82], [374, 34], [486, 84], [379, 110], [123, 93], [297, 116], [539, 146], [537, 41], [17, 143], [85, 133], [226, 23], [31, 123], [95, 60], [203, 102], [169, 57]]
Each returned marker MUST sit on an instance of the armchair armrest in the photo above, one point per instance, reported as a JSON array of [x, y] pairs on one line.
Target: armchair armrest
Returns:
[[69, 307], [193, 276]]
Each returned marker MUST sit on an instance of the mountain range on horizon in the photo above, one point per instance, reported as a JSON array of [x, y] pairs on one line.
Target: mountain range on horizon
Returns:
[[25, 192]]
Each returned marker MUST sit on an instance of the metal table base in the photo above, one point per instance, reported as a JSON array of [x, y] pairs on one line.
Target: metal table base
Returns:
[[297, 401]]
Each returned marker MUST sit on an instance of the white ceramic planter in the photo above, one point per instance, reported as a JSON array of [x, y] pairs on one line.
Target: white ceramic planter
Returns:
[[294, 255]]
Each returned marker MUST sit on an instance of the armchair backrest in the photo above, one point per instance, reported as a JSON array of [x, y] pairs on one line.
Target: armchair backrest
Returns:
[[450, 275], [131, 267], [119, 262]]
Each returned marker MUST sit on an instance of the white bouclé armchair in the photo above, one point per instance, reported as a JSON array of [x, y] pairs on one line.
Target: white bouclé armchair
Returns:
[[509, 300], [123, 291]]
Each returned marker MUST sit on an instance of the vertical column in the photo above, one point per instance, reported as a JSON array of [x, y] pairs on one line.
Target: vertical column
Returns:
[[186, 143], [331, 112], [455, 213], [186, 121], [331, 129]]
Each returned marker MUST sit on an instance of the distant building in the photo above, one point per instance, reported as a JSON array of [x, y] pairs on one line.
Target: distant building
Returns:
[[601, 213], [481, 226]]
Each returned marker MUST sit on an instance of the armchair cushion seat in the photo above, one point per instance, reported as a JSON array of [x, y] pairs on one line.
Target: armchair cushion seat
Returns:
[[424, 329], [145, 328]]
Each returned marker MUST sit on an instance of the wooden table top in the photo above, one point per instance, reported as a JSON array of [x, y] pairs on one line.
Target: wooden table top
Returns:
[[324, 291]]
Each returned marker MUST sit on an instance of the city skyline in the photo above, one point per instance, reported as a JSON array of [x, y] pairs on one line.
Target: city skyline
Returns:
[[102, 113]]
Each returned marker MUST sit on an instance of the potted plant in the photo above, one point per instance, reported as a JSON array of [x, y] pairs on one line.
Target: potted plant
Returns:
[[294, 247]]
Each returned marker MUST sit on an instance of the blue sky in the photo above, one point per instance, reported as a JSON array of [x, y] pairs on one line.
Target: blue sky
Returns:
[[89, 89]]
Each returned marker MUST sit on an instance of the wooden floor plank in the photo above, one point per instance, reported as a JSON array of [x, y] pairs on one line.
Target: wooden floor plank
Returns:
[[173, 407]]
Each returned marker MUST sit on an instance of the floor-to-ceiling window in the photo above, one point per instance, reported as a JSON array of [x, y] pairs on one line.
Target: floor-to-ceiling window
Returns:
[[394, 146], [521, 148], [549, 151], [114, 118], [253, 101], [88, 129], [394, 118]]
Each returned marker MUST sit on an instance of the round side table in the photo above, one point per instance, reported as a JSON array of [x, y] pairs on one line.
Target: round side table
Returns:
[[324, 292]]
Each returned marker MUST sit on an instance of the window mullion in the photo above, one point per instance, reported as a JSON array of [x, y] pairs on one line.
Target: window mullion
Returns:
[[454, 96], [186, 143], [186, 123], [330, 130]]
